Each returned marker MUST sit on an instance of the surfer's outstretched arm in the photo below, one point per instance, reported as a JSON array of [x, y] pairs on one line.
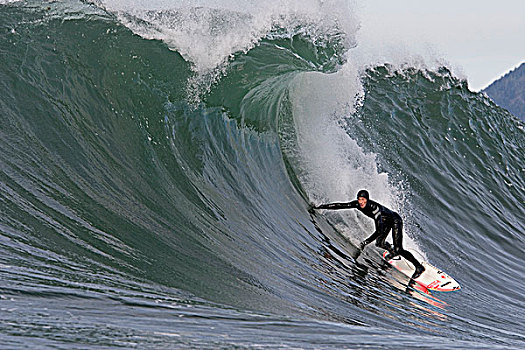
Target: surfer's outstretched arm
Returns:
[[335, 206], [370, 239]]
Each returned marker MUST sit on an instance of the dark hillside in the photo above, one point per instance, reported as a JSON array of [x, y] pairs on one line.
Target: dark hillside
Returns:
[[509, 91]]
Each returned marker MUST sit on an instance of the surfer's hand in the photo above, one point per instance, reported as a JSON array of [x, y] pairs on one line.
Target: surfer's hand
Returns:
[[311, 208]]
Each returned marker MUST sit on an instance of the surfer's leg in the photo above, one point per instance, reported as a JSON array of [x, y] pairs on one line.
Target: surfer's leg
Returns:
[[397, 236], [381, 243], [410, 257]]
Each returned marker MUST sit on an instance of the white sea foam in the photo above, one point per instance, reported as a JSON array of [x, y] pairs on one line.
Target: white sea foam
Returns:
[[333, 166], [208, 33]]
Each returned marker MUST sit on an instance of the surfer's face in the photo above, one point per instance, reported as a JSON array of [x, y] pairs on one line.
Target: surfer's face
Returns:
[[362, 202]]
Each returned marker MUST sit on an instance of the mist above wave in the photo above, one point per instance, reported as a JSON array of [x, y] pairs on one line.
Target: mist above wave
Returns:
[[208, 33]]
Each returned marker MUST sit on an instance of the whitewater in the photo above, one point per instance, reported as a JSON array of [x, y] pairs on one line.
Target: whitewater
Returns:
[[158, 160]]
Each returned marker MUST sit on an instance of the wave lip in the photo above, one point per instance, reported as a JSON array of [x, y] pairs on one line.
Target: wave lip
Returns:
[[208, 34]]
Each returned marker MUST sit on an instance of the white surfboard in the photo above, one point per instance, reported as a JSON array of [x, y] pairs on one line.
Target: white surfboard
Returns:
[[432, 278]]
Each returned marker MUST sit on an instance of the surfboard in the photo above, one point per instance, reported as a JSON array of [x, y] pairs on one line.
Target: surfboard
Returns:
[[432, 278]]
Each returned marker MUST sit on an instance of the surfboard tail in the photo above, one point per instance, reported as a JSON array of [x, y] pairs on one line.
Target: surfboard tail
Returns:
[[432, 278]]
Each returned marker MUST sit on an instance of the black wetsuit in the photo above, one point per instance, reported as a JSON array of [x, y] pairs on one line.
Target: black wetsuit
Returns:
[[385, 220]]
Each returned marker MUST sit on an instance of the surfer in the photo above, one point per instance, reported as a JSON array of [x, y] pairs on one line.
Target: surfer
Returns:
[[385, 220]]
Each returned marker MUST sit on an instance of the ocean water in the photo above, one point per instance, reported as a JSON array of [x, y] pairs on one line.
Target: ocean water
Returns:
[[157, 161]]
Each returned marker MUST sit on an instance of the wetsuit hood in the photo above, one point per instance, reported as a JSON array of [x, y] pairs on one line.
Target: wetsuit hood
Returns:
[[364, 194]]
